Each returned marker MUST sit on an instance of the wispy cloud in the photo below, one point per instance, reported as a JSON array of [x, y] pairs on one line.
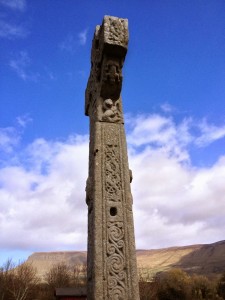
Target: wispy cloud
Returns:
[[167, 108], [14, 4], [159, 131], [71, 43], [21, 66], [22, 121], [51, 75], [8, 29], [9, 138], [209, 133], [12, 31], [83, 37]]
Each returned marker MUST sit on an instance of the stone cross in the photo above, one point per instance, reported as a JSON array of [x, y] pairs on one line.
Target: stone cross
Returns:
[[112, 266]]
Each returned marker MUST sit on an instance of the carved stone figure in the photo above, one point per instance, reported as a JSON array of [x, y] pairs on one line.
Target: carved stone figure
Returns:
[[111, 111], [112, 267]]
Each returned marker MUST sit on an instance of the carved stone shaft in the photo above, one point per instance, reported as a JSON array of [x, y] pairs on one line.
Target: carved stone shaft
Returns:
[[112, 267]]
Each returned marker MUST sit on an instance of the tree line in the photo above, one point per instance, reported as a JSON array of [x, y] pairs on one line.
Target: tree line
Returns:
[[21, 282], [176, 284]]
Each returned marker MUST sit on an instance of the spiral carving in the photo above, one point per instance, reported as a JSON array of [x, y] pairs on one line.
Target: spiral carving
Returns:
[[111, 249], [115, 233], [116, 260], [117, 293], [112, 282], [116, 265], [120, 244]]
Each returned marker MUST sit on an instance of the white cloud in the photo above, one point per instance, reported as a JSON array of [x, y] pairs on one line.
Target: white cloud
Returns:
[[51, 75], [12, 31], [161, 132], [8, 29], [175, 203], [210, 133], [23, 120], [9, 138], [14, 4], [83, 37], [71, 43], [179, 204], [39, 207], [167, 108], [21, 66]]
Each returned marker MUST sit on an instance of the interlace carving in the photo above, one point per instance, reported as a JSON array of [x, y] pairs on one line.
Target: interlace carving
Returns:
[[115, 251], [112, 172]]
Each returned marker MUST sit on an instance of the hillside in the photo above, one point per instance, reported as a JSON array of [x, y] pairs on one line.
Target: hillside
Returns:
[[43, 261], [202, 259]]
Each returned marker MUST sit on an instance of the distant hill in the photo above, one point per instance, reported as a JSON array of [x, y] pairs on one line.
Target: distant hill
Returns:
[[208, 259], [43, 261], [205, 259]]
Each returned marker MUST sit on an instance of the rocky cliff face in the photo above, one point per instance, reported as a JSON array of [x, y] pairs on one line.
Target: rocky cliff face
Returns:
[[202, 259]]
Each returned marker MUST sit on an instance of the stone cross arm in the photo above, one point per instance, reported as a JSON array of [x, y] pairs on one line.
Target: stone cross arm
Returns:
[[109, 48]]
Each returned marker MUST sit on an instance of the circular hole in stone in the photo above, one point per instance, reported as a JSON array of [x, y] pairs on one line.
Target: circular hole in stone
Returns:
[[113, 211]]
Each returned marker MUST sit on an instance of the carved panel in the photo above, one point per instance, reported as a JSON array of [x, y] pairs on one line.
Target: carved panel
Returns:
[[117, 276], [109, 49], [111, 78], [115, 31], [115, 235], [112, 173], [112, 111]]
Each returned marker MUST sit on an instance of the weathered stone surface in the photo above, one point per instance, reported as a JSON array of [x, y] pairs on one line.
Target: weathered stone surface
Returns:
[[112, 268]]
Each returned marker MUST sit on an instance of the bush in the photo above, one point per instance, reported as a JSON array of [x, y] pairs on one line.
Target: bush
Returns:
[[18, 282], [221, 287], [202, 288], [174, 285]]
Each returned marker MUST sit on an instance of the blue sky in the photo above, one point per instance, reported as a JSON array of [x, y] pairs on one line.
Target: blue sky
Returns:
[[173, 98]]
